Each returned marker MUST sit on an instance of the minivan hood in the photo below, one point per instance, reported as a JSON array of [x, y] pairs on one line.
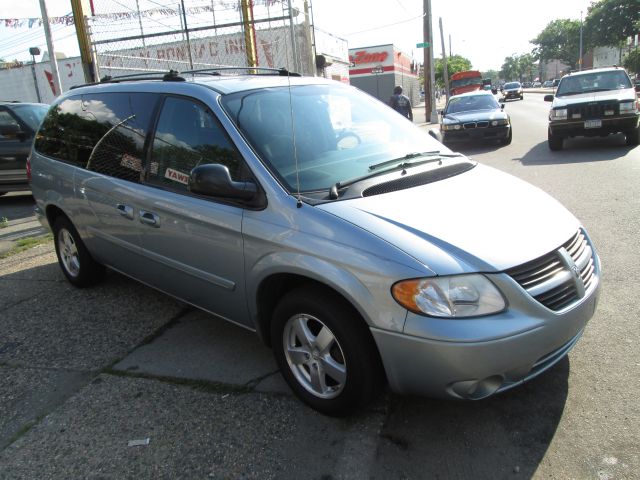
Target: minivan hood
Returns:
[[481, 220], [609, 95]]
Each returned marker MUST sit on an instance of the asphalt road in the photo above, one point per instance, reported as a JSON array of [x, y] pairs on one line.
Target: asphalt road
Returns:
[[88, 377]]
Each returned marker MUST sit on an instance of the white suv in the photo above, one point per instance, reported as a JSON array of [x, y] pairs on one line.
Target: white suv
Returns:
[[593, 103]]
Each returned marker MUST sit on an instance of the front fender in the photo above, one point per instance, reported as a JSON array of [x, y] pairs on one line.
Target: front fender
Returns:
[[369, 295]]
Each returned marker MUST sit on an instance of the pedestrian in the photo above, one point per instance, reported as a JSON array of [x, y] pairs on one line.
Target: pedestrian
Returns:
[[401, 103]]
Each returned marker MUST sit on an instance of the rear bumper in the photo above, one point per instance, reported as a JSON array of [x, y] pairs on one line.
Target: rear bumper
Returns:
[[609, 126]]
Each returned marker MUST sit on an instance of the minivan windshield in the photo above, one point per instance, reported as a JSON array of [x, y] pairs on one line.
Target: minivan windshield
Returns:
[[339, 132]]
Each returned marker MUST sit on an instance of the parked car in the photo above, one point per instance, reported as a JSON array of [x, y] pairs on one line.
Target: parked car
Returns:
[[536, 84], [593, 103], [548, 84], [360, 249], [512, 90], [475, 116], [18, 124]]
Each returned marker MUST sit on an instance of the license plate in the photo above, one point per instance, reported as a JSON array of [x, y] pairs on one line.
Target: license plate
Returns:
[[592, 123]]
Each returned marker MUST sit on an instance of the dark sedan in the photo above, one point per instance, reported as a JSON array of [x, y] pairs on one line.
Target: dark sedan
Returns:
[[513, 90], [475, 116]]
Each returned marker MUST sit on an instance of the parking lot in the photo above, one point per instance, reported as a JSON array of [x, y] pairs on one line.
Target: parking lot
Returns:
[[120, 381]]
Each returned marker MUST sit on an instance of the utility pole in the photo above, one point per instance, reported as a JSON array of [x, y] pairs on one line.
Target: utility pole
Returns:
[[445, 69], [86, 57], [52, 54], [429, 74]]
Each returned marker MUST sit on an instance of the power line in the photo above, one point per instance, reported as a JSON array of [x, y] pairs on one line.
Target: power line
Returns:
[[385, 26]]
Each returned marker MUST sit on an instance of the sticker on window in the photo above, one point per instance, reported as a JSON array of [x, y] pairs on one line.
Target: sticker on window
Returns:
[[176, 176], [129, 161]]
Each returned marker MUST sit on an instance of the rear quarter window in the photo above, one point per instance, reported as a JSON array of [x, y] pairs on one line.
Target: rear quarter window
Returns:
[[103, 132]]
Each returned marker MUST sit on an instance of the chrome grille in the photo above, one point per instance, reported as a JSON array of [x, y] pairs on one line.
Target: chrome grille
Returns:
[[561, 277]]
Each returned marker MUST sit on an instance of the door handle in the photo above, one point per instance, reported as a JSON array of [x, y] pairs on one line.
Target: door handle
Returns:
[[125, 210], [149, 218]]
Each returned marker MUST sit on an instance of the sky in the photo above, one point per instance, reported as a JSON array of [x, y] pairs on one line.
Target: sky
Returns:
[[484, 32]]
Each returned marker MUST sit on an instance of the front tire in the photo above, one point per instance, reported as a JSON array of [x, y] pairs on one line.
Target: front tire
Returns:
[[507, 140], [74, 258], [325, 351], [633, 137], [555, 142]]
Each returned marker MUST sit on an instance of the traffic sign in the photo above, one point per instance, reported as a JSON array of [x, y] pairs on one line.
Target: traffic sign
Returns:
[[423, 45]]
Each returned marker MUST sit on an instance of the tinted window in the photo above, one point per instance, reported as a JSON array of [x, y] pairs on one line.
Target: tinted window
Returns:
[[7, 120], [470, 103], [32, 115], [119, 125], [188, 135], [103, 132]]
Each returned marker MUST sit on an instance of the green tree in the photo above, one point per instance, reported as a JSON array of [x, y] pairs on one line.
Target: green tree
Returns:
[[455, 64], [509, 70], [494, 75], [632, 61], [609, 22], [559, 40]]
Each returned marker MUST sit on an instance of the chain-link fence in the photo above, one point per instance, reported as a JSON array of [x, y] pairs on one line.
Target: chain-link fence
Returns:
[[131, 36]]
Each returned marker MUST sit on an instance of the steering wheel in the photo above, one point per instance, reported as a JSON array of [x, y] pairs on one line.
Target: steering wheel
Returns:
[[347, 139]]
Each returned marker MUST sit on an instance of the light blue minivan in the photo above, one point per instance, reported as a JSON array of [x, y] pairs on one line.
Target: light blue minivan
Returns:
[[359, 248]]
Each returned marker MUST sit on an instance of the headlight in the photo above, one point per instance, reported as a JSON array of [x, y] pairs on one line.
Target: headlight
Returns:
[[451, 126], [495, 123], [559, 114], [449, 297], [627, 107]]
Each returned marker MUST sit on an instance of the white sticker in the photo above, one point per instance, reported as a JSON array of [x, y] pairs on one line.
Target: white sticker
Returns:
[[176, 176]]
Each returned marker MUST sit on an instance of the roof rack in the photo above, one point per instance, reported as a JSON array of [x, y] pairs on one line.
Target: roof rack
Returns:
[[175, 76], [593, 68], [283, 72]]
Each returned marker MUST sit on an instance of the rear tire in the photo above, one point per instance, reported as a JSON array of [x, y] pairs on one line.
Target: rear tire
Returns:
[[633, 137], [74, 258], [555, 142], [325, 351]]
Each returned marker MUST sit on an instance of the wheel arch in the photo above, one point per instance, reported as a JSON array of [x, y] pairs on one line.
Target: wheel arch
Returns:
[[273, 282]]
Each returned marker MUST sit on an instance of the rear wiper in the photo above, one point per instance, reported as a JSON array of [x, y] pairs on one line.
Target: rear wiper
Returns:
[[434, 156]]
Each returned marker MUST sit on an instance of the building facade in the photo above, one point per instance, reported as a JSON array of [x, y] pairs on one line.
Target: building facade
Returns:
[[378, 69]]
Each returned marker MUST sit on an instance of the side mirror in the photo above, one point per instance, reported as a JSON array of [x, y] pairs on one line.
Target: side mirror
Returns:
[[441, 112], [637, 87], [213, 179], [548, 98], [494, 91], [502, 106]]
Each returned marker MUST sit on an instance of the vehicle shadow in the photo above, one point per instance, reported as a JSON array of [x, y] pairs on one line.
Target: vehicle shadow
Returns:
[[600, 149], [16, 206], [478, 148], [494, 438]]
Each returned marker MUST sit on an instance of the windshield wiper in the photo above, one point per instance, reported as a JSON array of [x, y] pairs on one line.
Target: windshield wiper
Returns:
[[434, 156], [408, 156]]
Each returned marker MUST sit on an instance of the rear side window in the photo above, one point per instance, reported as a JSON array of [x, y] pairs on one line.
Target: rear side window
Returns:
[[188, 134], [104, 132], [7, 120]]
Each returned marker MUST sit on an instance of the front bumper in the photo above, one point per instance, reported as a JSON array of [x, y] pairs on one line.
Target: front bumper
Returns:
[[575, 128], [487, 133], [508, 95], [475, 358]]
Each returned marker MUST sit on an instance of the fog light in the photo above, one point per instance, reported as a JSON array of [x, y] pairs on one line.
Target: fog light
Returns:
[[477, 389]]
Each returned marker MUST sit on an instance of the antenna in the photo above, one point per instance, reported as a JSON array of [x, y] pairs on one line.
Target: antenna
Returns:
[[295, 149], [293, 128]]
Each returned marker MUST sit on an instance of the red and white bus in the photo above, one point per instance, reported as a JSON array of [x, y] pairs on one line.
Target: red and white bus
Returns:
[[467, 81]]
